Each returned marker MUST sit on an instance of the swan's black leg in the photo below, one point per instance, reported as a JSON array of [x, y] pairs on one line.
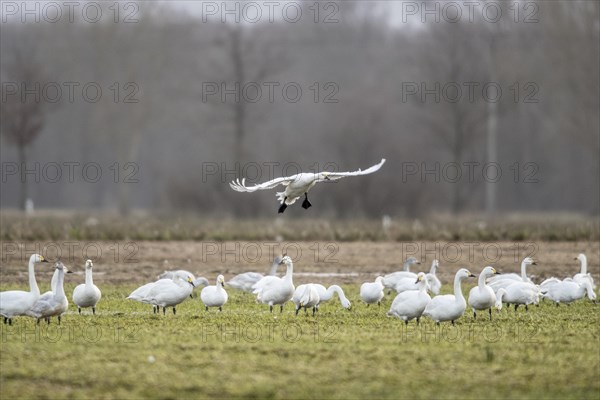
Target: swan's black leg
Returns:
[[271, 308], [206, 308], [5, 320], [297, 309], [37, 322], [220, 309], [490, 314], [474, 314], [306, 204], [174, 311], [314, 310], [283, 206], [526, 307], [281, 308], [58, 320], [94, 310], [79, 310], [379, 304], [418, 319], [452, 322], [437, 323], [10, 322], [516, 306], [406, 322], [164, 310]]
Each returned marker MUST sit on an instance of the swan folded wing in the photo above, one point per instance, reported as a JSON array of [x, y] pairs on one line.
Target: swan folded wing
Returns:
[[241, 186], [339, 175]]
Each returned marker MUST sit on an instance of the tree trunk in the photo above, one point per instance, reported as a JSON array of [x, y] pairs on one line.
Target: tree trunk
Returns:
[[24, 187]]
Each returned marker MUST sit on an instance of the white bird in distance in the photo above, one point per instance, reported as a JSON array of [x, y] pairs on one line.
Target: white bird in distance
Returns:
[[299, 184]]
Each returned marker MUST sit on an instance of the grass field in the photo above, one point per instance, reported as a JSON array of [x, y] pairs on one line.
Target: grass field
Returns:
[[127, 352]]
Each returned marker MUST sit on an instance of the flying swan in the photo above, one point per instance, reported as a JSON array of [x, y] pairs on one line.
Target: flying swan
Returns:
[[299, 184]]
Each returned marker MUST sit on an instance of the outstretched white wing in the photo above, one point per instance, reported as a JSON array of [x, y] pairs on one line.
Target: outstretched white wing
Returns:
[[241, 186], [339, 175]]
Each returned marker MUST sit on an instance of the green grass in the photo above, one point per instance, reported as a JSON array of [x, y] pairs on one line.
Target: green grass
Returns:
[[548, 352]]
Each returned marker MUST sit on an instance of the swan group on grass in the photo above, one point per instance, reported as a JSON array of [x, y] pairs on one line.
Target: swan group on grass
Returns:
[[412, 301]]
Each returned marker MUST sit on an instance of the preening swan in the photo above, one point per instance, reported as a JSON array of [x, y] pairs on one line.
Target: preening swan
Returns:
[[449, 307], [299, 184], [391, 280], [18, 302], [214, 296], [52, 303], [411, 304], [372, 292], [87, 294], [521, 293], [183, 274], [505, 280], [273, 290], [247, 280], [306, 296], [570, 291], [169, 293], [482, 297]]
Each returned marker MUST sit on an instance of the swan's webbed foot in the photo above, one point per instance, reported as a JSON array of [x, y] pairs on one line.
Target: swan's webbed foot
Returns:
[[282, 207], [306, 204]]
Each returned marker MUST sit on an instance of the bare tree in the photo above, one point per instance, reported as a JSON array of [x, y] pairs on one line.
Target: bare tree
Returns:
[[22, 114]]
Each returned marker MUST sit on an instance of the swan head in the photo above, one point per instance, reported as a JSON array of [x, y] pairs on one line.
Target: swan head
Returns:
[[379, 279], [190, 281], [412, 261], [89, 264], [346, 304], [581, 257], [36, 258], [420, 277], [221, 280], [499, 295], [285, 260], [489, 271], [324, 176], [60, 265], [465, 273], [529, 261]]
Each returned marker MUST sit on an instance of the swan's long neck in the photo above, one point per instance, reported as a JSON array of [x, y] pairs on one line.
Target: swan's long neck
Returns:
[[89, 281], [481, 281], [289, 272], [406, 267], [60, 277], [334, 289], [54, 281], [457, 290], [524, 271], [500, 294], [33, 287], [583, 265], [423, 285], [273, 269], [433, 269]]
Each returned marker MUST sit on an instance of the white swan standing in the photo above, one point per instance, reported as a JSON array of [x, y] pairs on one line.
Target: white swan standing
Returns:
[[570, 291], [505, 280], [306, 296], [372, 292], [391, 280], [87, 294], [52, 303], [482, 297], [18, 302], [583, 275], [246, 280], [299, 184], [449, 307], [273, 290], [215, 296], [434, 283], [169, 293], [411, 304]]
